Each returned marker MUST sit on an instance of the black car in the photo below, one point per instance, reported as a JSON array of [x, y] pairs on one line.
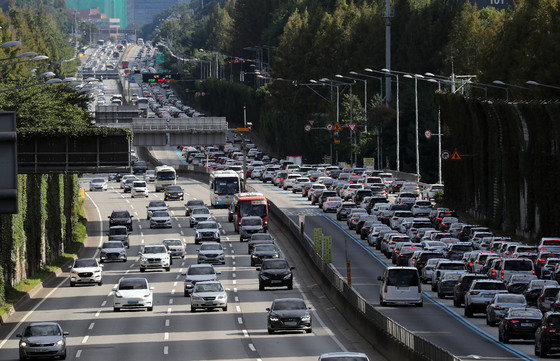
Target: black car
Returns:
[[119, 233], [259, 238], [519, 323], [173, 192], [193, 203], [262, 252], [344, 210], [275, 273], [287, 314], [121, 218], [139, 167], [547, 335]]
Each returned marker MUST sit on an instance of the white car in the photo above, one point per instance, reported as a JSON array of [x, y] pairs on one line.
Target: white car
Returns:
[[97, 184], [133, 293], [150, 175], [125, 178], [86, 270], [430, 191], [400, 285], [155, 256], [209, 294], [139, 189]]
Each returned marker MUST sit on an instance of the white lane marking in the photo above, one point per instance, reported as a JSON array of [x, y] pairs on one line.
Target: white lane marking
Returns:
[[232, 251], [232, 257], [174, 283], [142, 241], [127, 201], [169, 310], [236, 299], [239, 320], [140, 226], [252, 347], [97, 313], [183, 263], [234, 282], [78, 353], [233, 262], [238, 309], [84, 340], [180, 269], [233, 269], [223, 232], [166, 336], [182, 234], [235, 289], [177, 277], [227, 238], [127, 271], [245, 333], [91, 326], [103, 303], [136, 214], [165, 350], [173, 291], [233, 275], [171, 301], [230, 245], [131, 206], [132, 265], [166, 323]]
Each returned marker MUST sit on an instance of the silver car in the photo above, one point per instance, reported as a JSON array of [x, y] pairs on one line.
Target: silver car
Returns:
[[332, 204], [496, 310], [176, 247], [198, 273], [97, 184], [160, 219], [480, 294], [211, 252], [209, 295], [42, 339], [199, 214], [207, 231]]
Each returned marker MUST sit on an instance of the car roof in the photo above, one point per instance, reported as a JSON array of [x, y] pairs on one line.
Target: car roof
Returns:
[[45, 323], [343, 354], [201, 265]]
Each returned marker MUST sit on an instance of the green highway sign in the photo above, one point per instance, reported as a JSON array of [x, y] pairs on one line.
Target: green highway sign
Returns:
[[327, 249], [318, 240]]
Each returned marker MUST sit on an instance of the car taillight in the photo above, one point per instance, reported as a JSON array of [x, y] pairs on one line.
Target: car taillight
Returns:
[[428, 267], [493, 272], [540, 260], [474, 293], [543, 249], [513, 321], [550, 329], [470, 264], [438, 273], [533, 271], [498, 308], [543, 298]]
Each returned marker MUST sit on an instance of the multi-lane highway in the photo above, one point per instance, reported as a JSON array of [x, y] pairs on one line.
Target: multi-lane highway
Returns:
[[171, 331]]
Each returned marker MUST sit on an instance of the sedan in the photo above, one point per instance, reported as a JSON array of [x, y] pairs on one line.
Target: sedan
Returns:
[[42, 338], [262, 252], [133, 293], [97, 184], [207, 231], [112, 251], [86, 270], [199, 214], [259, 238], [154, 206], [176, 247], [211, 252], [332, 204], [121, 218], [173, 192], [275, 273], [496, 310], [198, 273], [193, 203], [288, 314], [160, 219], [209, 295], [519, 323]]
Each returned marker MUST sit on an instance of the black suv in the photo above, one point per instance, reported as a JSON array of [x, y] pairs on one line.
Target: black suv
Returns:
[[121, 218], [173, 192], [275, 273], [547, 335], [139, 167]]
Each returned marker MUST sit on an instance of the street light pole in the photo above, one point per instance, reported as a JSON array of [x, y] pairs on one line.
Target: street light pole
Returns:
[[416, 76]]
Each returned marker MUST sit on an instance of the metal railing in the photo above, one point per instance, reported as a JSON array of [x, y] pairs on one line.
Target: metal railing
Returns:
[[174, 125]]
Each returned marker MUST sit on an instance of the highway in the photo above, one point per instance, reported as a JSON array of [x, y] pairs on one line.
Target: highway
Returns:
[[438, 321], [170, 331]]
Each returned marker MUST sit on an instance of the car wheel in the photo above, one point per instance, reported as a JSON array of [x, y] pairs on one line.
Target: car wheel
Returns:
[[456, 302], [420, 304], [22, 357], [224, 308], [185, 293], [424, 281], [167, 269], [505, 339], [434, 287], [63, 356], [291, 286], [468, 312], [100, 283], [193, 309], [150, 308], [72, 284], [261, 287], [440, 295], [196, 242], [382, 303], [270, 331], [101, 261], [308, 330], [116, 309], [488, 321], [142, 269], [543, 350], [252, 264], [191, 225], [124, 260]]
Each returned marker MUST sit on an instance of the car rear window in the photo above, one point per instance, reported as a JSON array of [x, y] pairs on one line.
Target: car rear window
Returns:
[[525, 313], [511, 299], [489, 286], [452, 266], [402, 278], [121, 214], [518, 265]]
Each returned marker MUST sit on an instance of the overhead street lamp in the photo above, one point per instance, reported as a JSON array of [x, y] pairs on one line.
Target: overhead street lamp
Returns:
[[506, 86], [532, 82], [416, 77], [396, 75], [48, 82], [10, 43], [439, 135], [36, 58]]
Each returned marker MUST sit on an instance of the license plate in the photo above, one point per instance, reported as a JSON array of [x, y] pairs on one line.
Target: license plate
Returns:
[[524, 324], [132, 302], [291, 324], [209, 303], [275, 281]]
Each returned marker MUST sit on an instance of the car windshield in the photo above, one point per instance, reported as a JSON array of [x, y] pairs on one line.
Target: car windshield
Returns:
[[490, 286], [281, 305], [98, 180], [462, 248], [155, 250], [41, 330], [196, 271], [166, 175], [173, 189], [172, 242], [200, 211], [209, 287], [122, 214], [518, 265], [157, 204], [402, 278], [195, 202], [211, 247], [118, 231], [112, 245], [251, 221], [252, 208], [275, 264], [160, 214], [85, 263], [525, 313], [265, 248], [344, 358], [133, 284], [139, 184], [206, 225], [227, 186]]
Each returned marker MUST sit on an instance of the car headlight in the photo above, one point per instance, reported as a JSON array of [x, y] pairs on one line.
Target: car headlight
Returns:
[[221, 297], [123, 251], [179, 194], [264, 277], [147, 294], [287, 277], [60, 343], [23, 344], [118, 295], [73, 273], [97, 271], [306, 318], [217, 234], [196, 298], [254, 256], [273, 318]]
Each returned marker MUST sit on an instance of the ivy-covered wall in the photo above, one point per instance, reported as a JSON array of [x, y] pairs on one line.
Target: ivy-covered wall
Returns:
[[46, 224], [510, 163]]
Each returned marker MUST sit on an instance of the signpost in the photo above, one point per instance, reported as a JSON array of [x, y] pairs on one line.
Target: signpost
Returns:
[[311, 121], [337, 126], [327, 249], [329, 127], [445, 155], [428, 134], [352, 127], [369, 162], [307, 128], [455, 155], [318, 240], [243, 129]]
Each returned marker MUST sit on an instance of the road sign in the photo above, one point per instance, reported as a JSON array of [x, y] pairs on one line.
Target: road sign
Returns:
[[428, 134], [455, 155], [307, 128], [337, 126], [160, 58], [327, 249], [445, 155], [329, 127], [337, 141], [243, 129], [369, 162], [318, 240], [311, 121], [352, 127]]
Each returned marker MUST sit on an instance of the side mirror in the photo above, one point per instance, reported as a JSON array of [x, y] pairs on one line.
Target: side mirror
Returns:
[[65, 333], [98, 247], [131, 216], [379, 278], [139, 253], [152, 288], [292, 268], [101, 265], [268, 309], [19, 335], [258, 268], [109, 217], [114, 288], [183, 273], [198, 250], [218, 272]]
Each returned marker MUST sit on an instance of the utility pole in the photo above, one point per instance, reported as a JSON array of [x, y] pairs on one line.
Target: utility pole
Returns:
[[388, 16]]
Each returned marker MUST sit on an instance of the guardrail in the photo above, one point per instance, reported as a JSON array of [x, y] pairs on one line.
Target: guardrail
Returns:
[[175, 125]]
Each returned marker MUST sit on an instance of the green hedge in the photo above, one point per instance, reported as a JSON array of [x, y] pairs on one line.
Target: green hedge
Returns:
[[511, 161]]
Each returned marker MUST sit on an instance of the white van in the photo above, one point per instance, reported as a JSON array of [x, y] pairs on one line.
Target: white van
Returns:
[[400, 285], [516, 266], [165, 176]]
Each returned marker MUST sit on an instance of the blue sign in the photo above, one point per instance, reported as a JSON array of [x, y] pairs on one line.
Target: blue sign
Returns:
[[132, 79]]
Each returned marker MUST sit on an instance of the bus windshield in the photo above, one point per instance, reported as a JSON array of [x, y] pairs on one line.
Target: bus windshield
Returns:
[[252, 208], [227, 186], [166, 175]]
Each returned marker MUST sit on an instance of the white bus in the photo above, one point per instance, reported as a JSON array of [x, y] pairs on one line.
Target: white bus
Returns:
[[223, 185], [165, 176]]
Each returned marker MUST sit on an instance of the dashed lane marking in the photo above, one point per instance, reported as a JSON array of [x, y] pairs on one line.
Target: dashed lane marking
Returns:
[[252, 347], [78, 353], [91, 326], [86, 337]]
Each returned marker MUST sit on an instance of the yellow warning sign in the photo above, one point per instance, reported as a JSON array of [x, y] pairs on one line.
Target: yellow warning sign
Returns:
[[455, 155], [337, 126]]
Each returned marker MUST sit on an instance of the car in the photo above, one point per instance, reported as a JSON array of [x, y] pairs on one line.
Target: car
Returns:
[[207, 231], [480, 294], [112, 251], [431, 190], [547, 297], [421, 208], [250, 225], [127, 186], [119, 233], [198, 273], [176, 247], [447, 283], [288, 314], [211, 252], [547, 335], [42, 338], [445, 266], [518, 283], [534, 289], [193, 203], [262, 252], [154, 256], [160, 219], [150, 175], [331, 204], [519, 323], [343, 356], [209, 295], [463, 284], [500, 304], [199, 214], [400, 285], [86, 270], [259, 238], [139, 167], [121, 218], [275, 273], [97, 184], [154, 206], [133, 293], [173, 192], [343, 211], [139, 189]]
